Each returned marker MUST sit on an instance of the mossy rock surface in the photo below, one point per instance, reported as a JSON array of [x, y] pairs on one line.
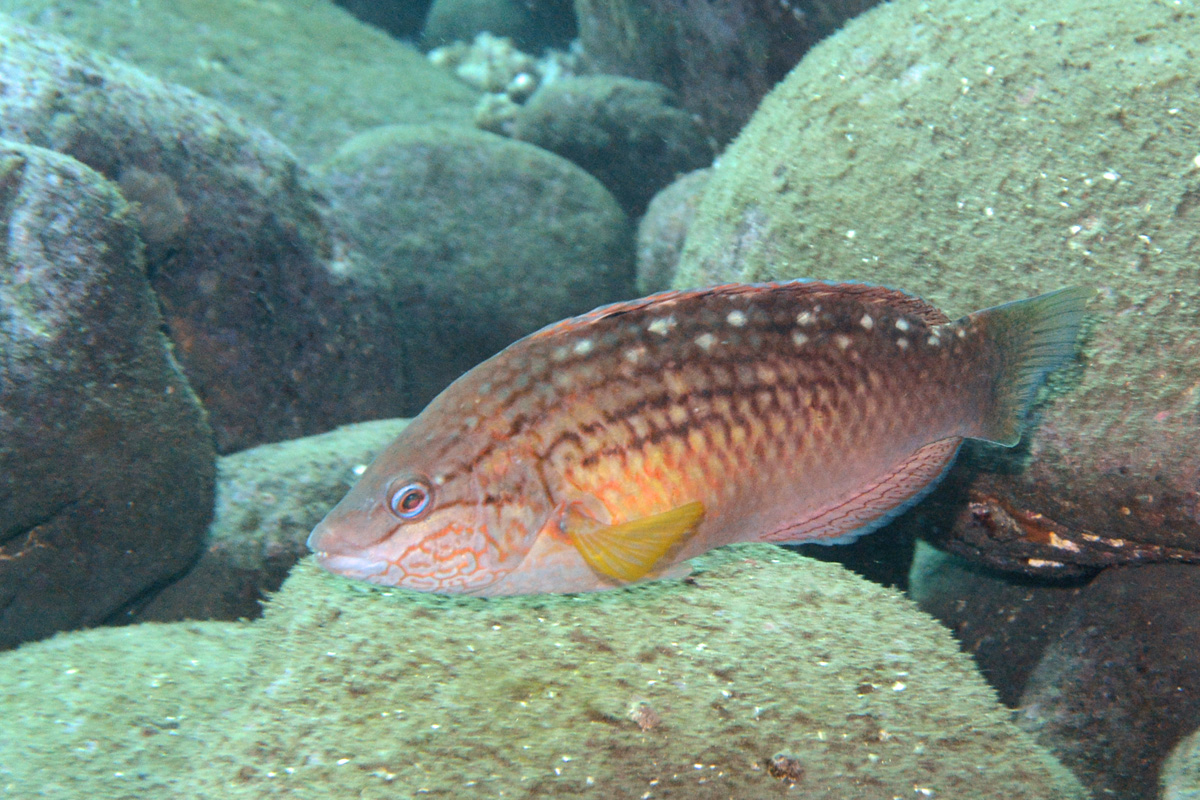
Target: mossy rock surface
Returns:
[[304, 70], [683, 689], [980, 151]]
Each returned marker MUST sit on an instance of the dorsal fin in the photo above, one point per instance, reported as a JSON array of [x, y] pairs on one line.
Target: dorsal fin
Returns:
[[800, 289]]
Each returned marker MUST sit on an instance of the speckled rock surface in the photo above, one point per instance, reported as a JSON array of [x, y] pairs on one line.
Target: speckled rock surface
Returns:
[[663, 228], [624, 131], [268, 499], [487, 238], [106, 461], [304, 70], [352, 690], [720, 58], [1120, 685], [275, 319], [979, 152]]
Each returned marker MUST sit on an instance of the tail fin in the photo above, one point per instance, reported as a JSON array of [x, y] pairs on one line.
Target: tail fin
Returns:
[[1034, 337]]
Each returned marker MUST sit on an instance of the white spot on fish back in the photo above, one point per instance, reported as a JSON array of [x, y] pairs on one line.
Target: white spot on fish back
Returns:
[[962, 333], [902, 343], [843, 341], [705, 341], [799, 339], [736, 318], [902, 324], [583, 347], [560, 354], [634, 354], [805, 318], [933, 341], [662, 326], [867, 322]]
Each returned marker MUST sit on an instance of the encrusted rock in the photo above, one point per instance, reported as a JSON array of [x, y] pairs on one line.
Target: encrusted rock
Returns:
[[486, 238], [765, 675], [626, 132], [663, 229], [106, 461], [278, 324], [969, 161]]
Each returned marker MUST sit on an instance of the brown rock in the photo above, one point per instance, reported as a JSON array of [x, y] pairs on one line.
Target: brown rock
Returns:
[[106, 461], [276, 322]]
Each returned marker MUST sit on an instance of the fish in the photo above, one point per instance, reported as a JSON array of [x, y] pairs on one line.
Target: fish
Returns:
[[612, 447]]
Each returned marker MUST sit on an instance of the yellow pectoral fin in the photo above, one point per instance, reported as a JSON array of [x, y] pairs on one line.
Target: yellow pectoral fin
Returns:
[[629, 551]]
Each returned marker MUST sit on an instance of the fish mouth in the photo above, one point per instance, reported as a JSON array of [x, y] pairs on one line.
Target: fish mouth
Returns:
[[360, 567]]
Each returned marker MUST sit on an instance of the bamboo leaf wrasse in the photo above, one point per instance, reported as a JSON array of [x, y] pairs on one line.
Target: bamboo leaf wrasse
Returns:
[[611, 447]]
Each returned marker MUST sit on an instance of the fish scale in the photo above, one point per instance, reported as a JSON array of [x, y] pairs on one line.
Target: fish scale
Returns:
[[615, 445]]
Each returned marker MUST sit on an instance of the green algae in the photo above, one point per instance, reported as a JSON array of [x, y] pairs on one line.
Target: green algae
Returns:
[[673, 689]]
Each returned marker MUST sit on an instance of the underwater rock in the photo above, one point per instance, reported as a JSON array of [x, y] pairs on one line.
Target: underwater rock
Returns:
[[720, 58], [489, 238], [106, 461], [307, 72], [1120, 685], [662, 229], [985, 158], [626, 132], [763, 674], [1005, 621], [278, 324], [268, 499], [533, 24]]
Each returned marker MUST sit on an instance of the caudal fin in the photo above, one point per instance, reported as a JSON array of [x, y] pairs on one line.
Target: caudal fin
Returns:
[[1033, 337]]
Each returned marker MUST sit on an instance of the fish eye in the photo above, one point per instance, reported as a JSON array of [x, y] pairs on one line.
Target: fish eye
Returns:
[[410, 500]]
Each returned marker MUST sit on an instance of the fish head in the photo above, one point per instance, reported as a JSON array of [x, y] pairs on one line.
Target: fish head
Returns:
[[438, 511]]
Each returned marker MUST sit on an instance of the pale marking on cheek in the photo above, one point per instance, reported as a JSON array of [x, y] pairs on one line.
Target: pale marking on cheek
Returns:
[[736, 318], [1041, 562], [1063, 544]]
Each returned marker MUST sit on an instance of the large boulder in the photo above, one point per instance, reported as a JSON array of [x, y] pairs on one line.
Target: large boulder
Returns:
[[764, 675], [979, 152], [106, 461], [305, 70], [486, 238], [278, 324]]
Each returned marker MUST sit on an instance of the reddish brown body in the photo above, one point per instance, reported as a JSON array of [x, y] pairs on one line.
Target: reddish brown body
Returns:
[[787, 412]]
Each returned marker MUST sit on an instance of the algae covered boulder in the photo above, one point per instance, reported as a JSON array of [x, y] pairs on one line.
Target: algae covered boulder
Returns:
[[305, 70], [275, 319], [106, 460], [980, 152], [764, 675], [485, 237]]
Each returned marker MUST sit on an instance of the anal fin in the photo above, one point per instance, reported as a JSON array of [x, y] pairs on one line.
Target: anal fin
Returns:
[[877, 503]]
